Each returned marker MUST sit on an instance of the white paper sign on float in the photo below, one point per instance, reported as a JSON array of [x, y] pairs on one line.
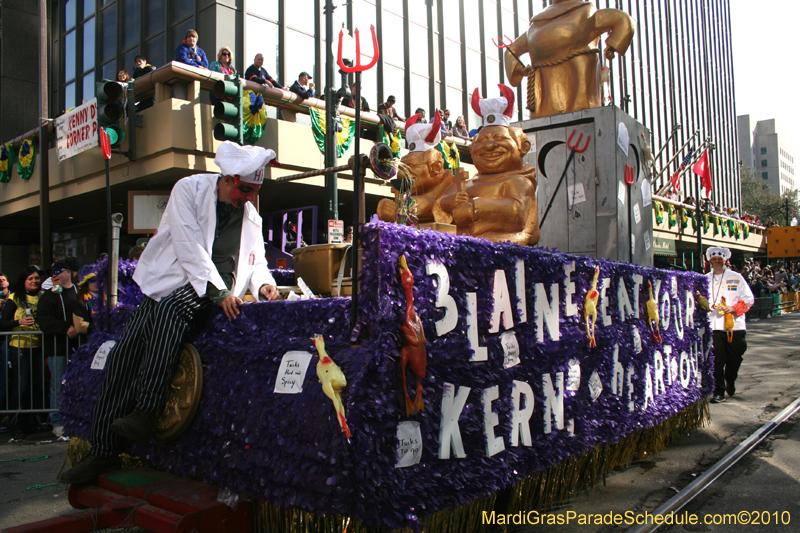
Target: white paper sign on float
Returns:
[[409, 444], [647, 240], [595, 386], [292, 372], [637, 214], [510, 349], [574, 375], [621, 193], [100, 356], [647, 194], [623, 139], [576, 194]]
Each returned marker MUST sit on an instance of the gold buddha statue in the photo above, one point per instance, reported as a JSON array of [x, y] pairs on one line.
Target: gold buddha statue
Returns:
[[565, 74], [499, 203]]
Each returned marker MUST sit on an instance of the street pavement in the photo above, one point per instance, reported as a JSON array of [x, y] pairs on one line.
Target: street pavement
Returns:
[[766, 481]]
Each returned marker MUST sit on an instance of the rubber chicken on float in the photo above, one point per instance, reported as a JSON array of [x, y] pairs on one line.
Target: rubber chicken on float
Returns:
[[703, 301], [413, 353], [590, 308], [652, 314], [333, 381]]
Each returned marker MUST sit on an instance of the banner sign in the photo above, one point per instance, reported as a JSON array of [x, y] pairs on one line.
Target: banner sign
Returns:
[[513, 384], [76, 130]]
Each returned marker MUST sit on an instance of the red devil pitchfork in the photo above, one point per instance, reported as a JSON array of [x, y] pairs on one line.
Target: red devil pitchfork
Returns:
[[358, 173], [507, 46]]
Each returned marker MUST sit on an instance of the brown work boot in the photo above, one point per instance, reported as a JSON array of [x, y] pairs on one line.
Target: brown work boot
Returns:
[[138, 426], [89, 468]]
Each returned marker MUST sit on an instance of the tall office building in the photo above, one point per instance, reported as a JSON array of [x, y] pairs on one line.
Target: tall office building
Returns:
[[768, 148], [433, 54]]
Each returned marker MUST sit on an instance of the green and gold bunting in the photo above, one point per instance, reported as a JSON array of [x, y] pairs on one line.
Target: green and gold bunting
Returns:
[[746, 230], [393, 141], [671, 215], [452, 159], [343, 139], [659, 212], [706, 223], [25, 159], [6, 162], [684, 218], [254, 116], [716, 226]]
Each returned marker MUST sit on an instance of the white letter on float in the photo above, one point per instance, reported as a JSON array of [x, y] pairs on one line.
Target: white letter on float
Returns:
[[502, 303], [648, 388], [637, 288], [479, 353], [570, 307], [604, 302], [689, 318], [658, 370], [618, 377], [547, 313], [686, 370], [631, 405], [553, 401], [520, 417], [522, 300], [449, 432], [494, 444], [664, 312], [668, 363], [625, 309], [678, 318], [443, 298]]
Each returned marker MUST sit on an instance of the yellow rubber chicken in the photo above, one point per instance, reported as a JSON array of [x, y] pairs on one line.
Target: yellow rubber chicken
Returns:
[[333, 381], [590, 308], [703, 301], [652, 314], [729, 320]]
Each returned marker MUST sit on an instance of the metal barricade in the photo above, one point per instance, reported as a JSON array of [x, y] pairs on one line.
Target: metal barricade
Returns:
[[31, 373]]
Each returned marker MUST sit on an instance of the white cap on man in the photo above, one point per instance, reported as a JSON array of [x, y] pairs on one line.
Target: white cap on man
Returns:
[[718, 251], [247, 162]]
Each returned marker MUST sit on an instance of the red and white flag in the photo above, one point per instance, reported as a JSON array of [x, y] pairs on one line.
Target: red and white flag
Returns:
[[702, 169]]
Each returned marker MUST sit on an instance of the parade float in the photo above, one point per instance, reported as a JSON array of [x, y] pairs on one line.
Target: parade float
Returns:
[[473, 374]]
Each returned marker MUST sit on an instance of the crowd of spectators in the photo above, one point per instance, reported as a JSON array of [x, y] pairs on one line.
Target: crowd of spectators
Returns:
[[771, 279]]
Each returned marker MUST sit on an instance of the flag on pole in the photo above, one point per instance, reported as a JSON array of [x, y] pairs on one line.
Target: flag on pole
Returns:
[[676, 184], [702, 169]]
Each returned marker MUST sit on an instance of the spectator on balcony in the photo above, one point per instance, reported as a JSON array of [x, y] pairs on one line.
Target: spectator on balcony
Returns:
[[224, 64], [387, 108], [188, 52], [142, 67], [302, 87], [348, 101], [124, 77], [24, 351], [257, 73], [56, 308], [135, 252], [460, 129], [421, 113], [446, 122]]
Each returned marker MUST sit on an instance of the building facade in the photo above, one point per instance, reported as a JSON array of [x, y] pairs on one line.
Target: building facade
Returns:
[[433, 54], [770, 151]]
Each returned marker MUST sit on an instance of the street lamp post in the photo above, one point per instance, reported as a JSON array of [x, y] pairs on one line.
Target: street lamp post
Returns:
[[331, 185]]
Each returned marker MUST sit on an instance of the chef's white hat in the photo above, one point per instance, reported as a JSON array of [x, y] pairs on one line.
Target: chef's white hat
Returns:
[[718, 251], [247, 162], [423, 137], [495, 111]]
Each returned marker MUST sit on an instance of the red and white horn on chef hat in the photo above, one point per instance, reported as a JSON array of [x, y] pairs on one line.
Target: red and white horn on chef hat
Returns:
[[495, 111], [423, 137]]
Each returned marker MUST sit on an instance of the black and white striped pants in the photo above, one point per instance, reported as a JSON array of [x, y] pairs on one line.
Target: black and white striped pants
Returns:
[[139, 367]]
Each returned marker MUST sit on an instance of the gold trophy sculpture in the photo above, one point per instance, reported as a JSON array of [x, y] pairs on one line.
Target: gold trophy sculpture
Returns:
[[425, 165], [561, 41], [499, 203]]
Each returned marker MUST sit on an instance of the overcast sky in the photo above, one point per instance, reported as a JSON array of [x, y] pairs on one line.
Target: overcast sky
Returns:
[[765, 63]]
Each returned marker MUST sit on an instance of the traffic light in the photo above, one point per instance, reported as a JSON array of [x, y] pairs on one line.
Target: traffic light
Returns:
[[110, 111], [229, 111]]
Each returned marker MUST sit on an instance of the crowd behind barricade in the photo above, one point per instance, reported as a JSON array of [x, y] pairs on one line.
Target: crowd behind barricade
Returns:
[[45, 315], [716, 209], [771, 279]]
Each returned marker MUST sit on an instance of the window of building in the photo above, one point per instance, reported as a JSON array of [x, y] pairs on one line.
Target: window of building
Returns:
[[763, 162], [765, 175], [763, 150]]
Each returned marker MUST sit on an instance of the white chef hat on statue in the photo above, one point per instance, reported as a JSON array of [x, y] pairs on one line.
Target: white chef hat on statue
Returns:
[[423, 137], [495, 111], [247, 162], [718, 251]]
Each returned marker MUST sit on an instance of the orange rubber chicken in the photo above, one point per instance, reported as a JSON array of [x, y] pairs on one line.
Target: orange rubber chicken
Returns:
[[333, 381], [729, 320], [590, 308], [413, 353], [652, 314]]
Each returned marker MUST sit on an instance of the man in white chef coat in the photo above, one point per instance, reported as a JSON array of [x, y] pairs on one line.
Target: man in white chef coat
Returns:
[[208, 249]]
